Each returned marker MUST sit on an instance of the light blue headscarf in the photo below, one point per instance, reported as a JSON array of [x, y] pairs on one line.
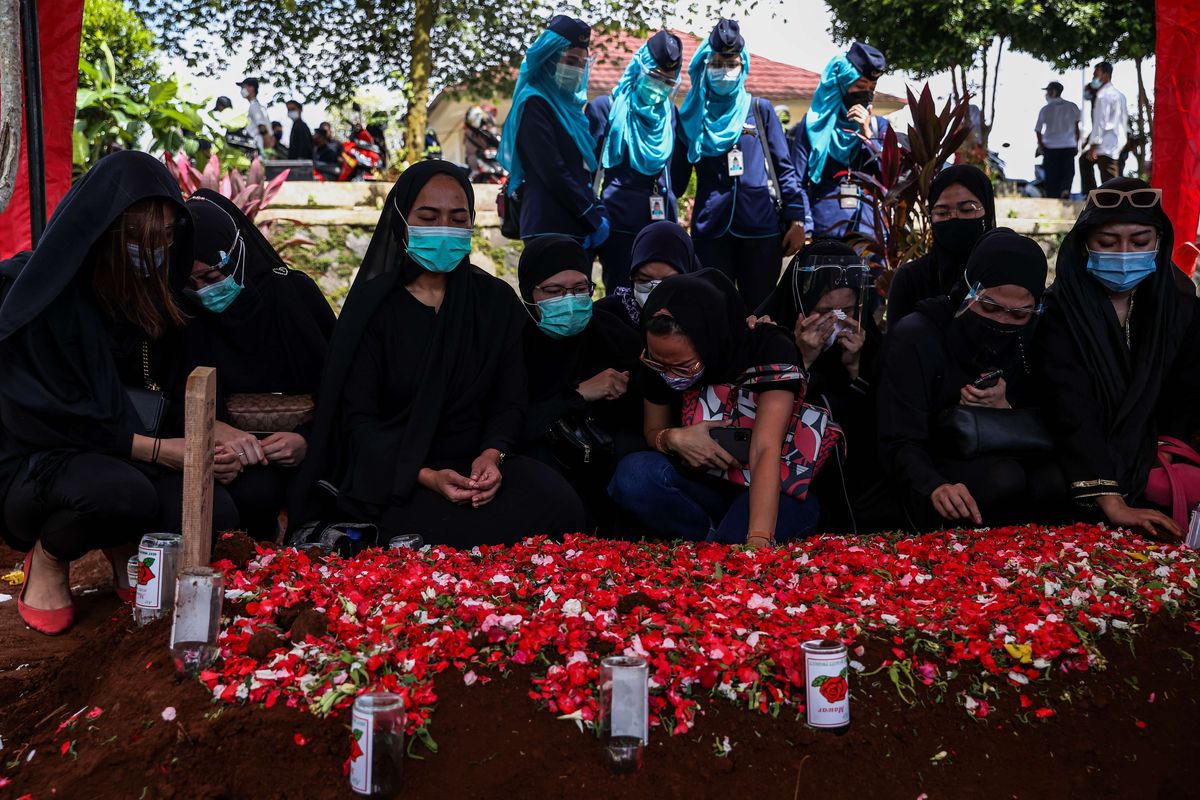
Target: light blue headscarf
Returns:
[[713, 122], [643, 134], [536, 79], [831, 134]]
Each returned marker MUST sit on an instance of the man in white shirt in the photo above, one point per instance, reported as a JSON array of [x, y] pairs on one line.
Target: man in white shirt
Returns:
[[1110, 118], [1057, 130], [260, 126]]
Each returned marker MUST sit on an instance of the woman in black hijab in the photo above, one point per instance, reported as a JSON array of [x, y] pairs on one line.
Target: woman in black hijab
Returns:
[[963, 207], [661, 250], [579, 361], [696, 335], [88, 320], [945, 355], [827, 298], [1120, 352], [424, 391], [265, 328]]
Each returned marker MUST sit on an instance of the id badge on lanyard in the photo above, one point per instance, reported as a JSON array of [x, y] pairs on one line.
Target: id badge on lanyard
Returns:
[[658, 206], [737, 164], [848, 194]]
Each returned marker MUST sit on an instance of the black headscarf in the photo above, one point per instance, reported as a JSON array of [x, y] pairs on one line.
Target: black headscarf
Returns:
[[663, 241], [949, 259], [709, 309], [785, 301], [475, 306], [274, 336], [976, 343], [1126, 384], [59, 385], [546, 256]]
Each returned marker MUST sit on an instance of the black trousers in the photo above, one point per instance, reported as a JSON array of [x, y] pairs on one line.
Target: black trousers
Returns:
[[1087, 171], [1059, 166], [533, 499], [616, 260], [96, 501], [1008, 491], [753, 264]]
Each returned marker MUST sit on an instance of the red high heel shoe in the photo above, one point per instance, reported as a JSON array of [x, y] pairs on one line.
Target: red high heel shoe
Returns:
[[128, 594], [48, 621]]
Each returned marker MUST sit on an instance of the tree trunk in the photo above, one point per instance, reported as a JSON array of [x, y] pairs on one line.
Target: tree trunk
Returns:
[[991, 120], [11, 99], [955, 92], [421, 53], [1145, 119], [983, 97]]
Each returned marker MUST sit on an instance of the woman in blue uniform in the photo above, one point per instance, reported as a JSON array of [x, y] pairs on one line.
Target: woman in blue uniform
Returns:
[[547, 148], [635, 134], [745, 220], [840, 135]]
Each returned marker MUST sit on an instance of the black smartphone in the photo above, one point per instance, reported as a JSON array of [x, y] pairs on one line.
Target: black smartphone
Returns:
[[735, 441], [989, 380]]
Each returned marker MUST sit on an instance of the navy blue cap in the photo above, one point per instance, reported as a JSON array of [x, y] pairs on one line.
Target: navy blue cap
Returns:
[[726, 38], [666, 50], [575, 31], [869, 62]]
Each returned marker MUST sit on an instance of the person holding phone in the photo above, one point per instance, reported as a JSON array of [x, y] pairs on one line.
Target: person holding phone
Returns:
[[947, 354], [696, 335]]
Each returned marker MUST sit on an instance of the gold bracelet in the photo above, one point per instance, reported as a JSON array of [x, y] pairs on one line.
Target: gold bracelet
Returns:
[[658, 441]]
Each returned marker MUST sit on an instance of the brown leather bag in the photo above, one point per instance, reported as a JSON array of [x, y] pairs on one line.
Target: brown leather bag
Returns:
[[270, 413]]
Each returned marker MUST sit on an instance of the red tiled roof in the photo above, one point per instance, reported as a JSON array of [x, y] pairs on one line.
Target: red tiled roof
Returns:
[[770, 79]]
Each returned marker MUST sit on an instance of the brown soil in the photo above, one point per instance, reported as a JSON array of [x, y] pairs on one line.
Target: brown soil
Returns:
[[493, 741]]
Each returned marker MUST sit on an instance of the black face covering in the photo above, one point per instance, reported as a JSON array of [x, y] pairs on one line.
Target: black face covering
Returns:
[[958, 236], [863, 99], [981, 345]]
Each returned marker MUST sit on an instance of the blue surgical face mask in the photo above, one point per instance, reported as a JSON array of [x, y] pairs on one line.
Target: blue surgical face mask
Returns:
[[566, 316], [651, 91], [135, 257], [437, 248], [1121, 272], [216, 297], [681, 383], [724, 80], [569, 78], [1095, 84]]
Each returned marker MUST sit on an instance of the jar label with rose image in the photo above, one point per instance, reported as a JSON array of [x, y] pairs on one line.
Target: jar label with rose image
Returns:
[[826, 679], [360, 751]]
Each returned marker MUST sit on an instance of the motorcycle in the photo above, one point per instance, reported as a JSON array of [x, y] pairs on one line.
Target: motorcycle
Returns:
[[361, 159]]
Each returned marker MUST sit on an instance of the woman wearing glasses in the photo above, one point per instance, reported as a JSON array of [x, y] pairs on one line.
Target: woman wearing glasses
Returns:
[[579, 361], [424, 388], [635, 131], [962, 208], [741, 208], [1120, 352], [827, 298], [547, 147], [970, 350], [86, 342], [696, 335]]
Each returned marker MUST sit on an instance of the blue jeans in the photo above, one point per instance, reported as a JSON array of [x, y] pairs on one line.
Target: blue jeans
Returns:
[[687, 505]]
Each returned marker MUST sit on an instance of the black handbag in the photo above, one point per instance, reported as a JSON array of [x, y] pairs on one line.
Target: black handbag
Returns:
[[508, 207], [968, 432], [148, 400], [579, 443]]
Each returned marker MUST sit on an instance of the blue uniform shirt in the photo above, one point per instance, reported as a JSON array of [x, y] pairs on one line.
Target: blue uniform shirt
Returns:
[[626, 192], [742, 206], [828, 216], [556, 196]]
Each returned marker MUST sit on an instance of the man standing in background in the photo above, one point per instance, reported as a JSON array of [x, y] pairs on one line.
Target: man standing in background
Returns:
[[1057, 132], [1110, 118], [260, 126], [300, 143]]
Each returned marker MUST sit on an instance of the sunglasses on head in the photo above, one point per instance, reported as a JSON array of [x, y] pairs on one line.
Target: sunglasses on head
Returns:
[[1138, 198]]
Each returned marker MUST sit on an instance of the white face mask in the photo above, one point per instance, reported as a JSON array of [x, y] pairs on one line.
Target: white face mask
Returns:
[[293, 115], [642, 290]]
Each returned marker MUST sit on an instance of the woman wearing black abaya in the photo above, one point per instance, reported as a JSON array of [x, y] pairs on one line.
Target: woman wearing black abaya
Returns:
[[696, 335], [424, 390], [932, 362], [265, 328], [579, 360], [88, 317], [962, 207], [1120, 352], [828, 300], [661, 250]]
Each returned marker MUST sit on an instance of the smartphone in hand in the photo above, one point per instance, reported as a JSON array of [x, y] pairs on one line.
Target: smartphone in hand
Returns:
[[989, 380], [735, 441]]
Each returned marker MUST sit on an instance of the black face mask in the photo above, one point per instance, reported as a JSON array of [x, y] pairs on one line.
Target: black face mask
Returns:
[[980, 344], [863, 99], [958, 236]]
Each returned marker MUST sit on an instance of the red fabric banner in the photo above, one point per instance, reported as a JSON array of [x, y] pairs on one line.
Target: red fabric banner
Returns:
[[1176, 154], [60, 24]]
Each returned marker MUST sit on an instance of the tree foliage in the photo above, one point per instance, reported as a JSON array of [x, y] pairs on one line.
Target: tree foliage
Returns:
[[129, 41]]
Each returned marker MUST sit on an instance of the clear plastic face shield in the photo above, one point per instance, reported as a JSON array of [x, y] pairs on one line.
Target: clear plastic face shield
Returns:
[[977, 294], [829, 273]]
